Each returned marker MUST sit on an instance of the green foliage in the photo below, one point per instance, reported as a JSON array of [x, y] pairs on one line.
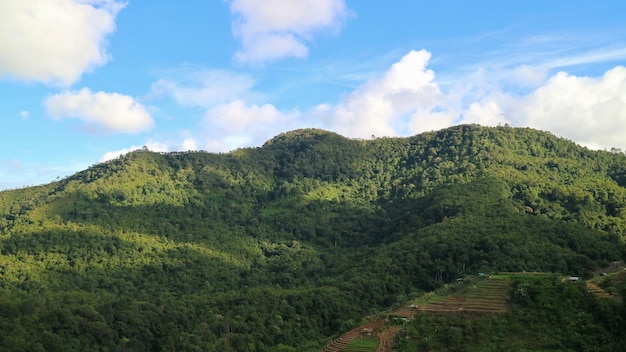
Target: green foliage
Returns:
[[276, 248], [362, 344]]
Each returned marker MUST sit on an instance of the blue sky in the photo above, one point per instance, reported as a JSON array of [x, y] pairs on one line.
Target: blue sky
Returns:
[[82, 81]]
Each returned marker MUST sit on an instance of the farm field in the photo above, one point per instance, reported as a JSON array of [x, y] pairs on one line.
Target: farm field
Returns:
[[479, 295], [482, 295], [362, 344], [607, 285], [471, 299], [356, 340]]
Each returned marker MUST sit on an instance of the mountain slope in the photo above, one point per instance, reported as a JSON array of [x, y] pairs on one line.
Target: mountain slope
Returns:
[[279, 247]]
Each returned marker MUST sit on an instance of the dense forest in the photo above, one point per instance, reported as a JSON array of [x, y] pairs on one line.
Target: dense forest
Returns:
[[281, 247]]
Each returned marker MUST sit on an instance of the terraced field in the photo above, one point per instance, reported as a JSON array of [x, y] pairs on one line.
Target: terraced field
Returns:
[[476, 294], [340, 343], [362, 344], [485, 296], [480, 295], [606, 286], [596, 290], [360, 339], [618, 278]]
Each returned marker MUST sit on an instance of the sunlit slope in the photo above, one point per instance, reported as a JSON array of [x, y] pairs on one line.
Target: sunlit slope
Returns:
[[287, 244]]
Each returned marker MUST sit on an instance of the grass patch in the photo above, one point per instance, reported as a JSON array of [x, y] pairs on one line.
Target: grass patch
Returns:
[[516, 276], [362, 344]]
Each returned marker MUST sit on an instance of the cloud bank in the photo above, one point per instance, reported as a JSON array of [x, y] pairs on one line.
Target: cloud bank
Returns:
[[54, 41], [109, 112], [404, 100], [590, 111], [407, 99], [274, 29]]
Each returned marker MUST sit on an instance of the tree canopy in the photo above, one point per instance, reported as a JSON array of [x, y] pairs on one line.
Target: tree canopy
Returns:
[[282, 246]]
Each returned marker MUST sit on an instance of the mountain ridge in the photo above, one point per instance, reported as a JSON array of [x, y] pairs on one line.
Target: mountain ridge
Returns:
[[283, 245]]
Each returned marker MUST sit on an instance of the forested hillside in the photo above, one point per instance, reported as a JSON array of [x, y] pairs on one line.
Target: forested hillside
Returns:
[[280, 247]]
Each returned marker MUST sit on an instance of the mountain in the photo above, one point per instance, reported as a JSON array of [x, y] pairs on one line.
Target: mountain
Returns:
[[280, 247]]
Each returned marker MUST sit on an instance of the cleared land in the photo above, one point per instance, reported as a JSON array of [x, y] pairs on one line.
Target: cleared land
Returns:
[[476, 295], [484, 296], [366, 331], [598, 291], [362, 344]]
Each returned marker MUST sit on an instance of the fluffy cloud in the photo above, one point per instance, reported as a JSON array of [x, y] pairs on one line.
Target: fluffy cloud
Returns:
[[408, 100], [54, 41], [487, 114], [405, 99], [274, 29], [189, 144], [590, 111], [238, 124], [428, 119], [204, 88], [112, 111]]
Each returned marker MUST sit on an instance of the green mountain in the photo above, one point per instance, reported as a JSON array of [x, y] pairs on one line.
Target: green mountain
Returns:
[[281, 247]]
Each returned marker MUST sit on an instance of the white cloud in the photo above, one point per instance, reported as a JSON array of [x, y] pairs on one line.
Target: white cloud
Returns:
[[405, 98], [189, 144], [487, 114], [54, 41], [24, 114], [424, 120], [111, 111], [273, 29], [590, 111], [238, 124], [408, 100], [201, 87]]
